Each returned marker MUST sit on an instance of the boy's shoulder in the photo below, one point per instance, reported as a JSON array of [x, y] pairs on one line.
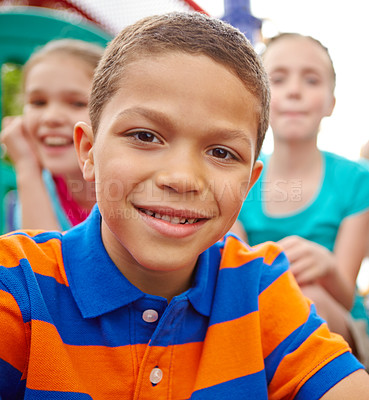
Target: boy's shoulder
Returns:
[[250, 267], [235, 252], [36, 250]]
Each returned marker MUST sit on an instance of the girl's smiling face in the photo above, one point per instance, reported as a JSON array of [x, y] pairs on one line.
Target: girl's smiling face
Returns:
[[57, 91], [173, 160]]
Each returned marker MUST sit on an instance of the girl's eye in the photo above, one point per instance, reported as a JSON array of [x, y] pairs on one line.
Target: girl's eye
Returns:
[[37, 103], [79, 104], [312, 80], [145, 137], [219, 152], [275, 80]]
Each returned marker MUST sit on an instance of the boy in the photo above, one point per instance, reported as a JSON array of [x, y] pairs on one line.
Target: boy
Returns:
[[138, 302]]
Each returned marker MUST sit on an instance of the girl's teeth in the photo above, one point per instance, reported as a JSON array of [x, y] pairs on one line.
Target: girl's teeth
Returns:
[[56, 141], [191, 220]]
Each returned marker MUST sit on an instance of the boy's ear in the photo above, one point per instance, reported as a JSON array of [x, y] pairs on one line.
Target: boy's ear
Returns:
[[255, 173], [83, 142]]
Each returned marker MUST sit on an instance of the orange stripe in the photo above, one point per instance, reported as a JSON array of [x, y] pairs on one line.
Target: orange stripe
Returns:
[[236, 253], [293, 311], [225, 346], [45, 258], [297, 367], [74, 368], [13, 341], [188, 357]]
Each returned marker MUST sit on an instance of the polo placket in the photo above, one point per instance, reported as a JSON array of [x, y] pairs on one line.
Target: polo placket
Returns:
[[155, 369]]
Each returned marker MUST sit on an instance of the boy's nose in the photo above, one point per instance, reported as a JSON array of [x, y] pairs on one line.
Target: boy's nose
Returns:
[[181, 175]]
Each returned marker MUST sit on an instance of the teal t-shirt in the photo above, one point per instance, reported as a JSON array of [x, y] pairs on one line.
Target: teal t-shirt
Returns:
[[14, 210], [343, 191]]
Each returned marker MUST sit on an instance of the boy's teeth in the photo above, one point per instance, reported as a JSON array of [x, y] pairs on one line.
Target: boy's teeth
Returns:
[[172, 220], [165, 218]]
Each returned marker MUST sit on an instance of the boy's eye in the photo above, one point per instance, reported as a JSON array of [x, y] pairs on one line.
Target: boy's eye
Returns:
[[219, 152], [145, 137]]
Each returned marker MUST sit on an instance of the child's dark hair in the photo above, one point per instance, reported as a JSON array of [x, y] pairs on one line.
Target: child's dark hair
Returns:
[[191, 33]]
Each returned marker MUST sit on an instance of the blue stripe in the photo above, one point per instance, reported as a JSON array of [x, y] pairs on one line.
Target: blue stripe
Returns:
[[273, 272], [54, 395], [243, 280], [12, 388], [55, 304], [16, 282], [328, 376], [42, 237], [247, 387], [292, 342]]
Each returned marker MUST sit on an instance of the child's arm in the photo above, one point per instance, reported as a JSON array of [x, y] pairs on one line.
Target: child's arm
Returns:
[[336, 271], [364, 152], [354, 386], [37, 211]]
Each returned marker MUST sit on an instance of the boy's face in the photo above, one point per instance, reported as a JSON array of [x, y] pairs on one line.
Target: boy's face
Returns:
[[301, 80], [173, 160]]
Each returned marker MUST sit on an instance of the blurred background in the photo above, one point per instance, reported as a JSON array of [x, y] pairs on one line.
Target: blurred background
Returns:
[[340, 26]]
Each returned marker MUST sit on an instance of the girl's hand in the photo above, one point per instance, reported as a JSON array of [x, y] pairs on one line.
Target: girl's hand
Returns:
[[309, 261], [18, 143]]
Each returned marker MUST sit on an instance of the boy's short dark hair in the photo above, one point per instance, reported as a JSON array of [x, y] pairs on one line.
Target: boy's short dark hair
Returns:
[[191, 33]]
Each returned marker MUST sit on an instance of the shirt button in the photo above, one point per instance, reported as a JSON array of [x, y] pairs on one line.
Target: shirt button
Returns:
[[150, 315], [156, 375]]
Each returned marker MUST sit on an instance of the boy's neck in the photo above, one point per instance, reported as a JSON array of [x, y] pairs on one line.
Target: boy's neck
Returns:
[[164, 284], [83, 192]]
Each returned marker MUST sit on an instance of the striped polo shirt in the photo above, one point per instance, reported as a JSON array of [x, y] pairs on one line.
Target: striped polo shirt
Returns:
[[73, 327]]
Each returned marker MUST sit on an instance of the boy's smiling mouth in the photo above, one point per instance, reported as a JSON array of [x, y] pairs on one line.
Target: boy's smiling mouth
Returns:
[[172, 220], [176, 217]]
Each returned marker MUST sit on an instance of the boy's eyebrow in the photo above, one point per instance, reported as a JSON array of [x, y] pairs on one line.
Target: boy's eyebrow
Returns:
[[147, 113], [163, 119]]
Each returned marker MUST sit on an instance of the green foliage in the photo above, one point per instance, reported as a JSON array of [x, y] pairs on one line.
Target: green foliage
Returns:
[[11, 86], [11, 76]]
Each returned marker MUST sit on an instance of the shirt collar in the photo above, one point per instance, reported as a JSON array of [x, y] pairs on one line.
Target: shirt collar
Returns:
[[99, 287]]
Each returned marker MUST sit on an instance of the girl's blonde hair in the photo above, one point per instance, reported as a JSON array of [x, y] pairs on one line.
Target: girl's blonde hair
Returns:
[[87, 52]]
